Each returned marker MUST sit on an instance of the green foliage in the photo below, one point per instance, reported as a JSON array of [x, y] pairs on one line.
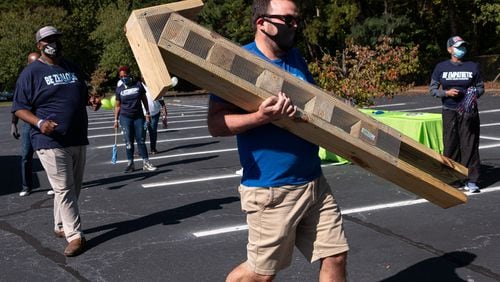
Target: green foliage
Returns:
[[326, 24], [360, 73], [231, 19], [371, 29], [94, 38], [109, 35], [17, 38]]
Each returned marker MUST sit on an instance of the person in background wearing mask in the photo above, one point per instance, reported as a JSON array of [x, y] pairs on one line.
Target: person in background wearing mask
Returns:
[[155, 107], [52, 96], [285, 196], [459, 84], [128, 114], [26, 147]]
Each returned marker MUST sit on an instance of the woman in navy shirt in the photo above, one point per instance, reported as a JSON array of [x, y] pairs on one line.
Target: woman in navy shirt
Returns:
[[128, 111]]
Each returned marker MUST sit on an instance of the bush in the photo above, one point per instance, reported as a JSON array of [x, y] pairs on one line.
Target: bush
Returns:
[[360, 74]]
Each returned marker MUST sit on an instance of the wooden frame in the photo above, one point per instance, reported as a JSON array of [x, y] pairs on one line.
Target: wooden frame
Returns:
[[143, 30], [220, 66]]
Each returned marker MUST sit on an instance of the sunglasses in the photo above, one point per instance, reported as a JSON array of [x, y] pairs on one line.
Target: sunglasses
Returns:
[[289, 20]]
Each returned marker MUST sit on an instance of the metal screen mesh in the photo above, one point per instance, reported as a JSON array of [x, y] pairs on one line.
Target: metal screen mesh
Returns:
[[198, 45], [245, 69]]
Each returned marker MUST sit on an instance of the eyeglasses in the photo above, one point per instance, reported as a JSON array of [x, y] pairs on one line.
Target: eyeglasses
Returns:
[[289, 20]]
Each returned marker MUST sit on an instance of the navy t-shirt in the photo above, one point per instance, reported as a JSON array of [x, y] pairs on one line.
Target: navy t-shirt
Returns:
[[130, 99], [272, 156], [56, 92], [459, 76]]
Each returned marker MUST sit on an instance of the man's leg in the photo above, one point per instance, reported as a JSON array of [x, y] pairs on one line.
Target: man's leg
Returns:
[[451, 138], [58, 163], [469, 144], [320, 235], [333, 268], [26, 159], [153, 132]]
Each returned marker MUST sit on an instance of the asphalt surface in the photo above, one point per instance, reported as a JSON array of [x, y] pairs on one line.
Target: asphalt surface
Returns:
[[184, 223]]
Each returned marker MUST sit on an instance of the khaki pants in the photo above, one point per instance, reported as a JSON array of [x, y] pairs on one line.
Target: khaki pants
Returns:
[[65, 167], [279, 218]]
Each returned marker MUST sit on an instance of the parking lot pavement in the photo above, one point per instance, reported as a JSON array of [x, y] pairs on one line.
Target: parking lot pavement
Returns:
[[184, 223]]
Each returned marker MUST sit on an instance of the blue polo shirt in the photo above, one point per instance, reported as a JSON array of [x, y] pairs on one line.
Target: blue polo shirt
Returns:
[[57, 92], [272, 156], [130, 99]]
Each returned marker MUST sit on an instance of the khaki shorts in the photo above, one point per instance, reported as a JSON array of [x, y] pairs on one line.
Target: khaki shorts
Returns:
[[280, 218]]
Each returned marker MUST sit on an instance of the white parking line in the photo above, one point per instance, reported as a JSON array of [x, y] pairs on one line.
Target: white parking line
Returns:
[[202, 179], [388, 105], [159, 141], [345, 212], [183, 155], [421, 109], [490, 124], [489, 138], [489, 146], [170, 122], [187, 106], [162, 130]]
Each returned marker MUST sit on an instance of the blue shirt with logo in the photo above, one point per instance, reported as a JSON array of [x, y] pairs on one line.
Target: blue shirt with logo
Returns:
[[272, 156], [458, 75], [58, 93], [130, 99]]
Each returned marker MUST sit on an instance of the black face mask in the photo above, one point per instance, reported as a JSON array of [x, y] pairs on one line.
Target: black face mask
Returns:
[[53, 49], [284, 38]]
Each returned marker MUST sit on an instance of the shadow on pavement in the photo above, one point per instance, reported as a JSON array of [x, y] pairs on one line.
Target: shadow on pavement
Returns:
[[167, 217], [191, 146], [490, 175], [10, 173], [435, 269], [123, 179]]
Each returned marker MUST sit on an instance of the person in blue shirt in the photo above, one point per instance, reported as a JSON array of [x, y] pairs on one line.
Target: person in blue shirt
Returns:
[[130, 96], [284, 194], [51, 95], [26, 148], [459, 84]]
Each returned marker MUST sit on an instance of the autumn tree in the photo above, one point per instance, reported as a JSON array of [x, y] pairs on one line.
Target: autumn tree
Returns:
[[361, 73]]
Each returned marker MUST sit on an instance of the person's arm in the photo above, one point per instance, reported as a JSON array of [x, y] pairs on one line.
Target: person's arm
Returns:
[[46, 126], [226, 119], [145, 103], [14, 131], [434, 89], [479, 82], [118, 106], [440, 93]]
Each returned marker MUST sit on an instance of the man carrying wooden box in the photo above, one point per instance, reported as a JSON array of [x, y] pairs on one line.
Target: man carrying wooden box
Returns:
[[283, 192]]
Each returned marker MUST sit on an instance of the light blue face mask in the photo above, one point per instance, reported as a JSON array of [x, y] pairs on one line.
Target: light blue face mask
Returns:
[[126, 80], [459, 52]]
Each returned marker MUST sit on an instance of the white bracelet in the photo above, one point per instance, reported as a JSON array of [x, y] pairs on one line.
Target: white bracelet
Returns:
[[39, 123]]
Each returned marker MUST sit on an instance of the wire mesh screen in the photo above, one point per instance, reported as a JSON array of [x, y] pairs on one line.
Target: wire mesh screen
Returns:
[[198, 45], [157, 23], [245, 69]]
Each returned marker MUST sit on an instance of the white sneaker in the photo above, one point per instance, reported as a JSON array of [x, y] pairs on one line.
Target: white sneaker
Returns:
[[148, 166], [239, 172], [472, 187], [50, 192], [24, 193]]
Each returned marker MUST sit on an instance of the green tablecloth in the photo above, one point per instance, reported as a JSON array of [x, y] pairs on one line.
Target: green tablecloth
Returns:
[[425, 128]]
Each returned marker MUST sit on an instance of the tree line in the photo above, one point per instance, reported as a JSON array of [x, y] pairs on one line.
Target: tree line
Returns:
[[94, 38]]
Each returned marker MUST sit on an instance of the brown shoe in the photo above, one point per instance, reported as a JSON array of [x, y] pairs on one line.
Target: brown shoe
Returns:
[[59, 233], [75, 247]]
